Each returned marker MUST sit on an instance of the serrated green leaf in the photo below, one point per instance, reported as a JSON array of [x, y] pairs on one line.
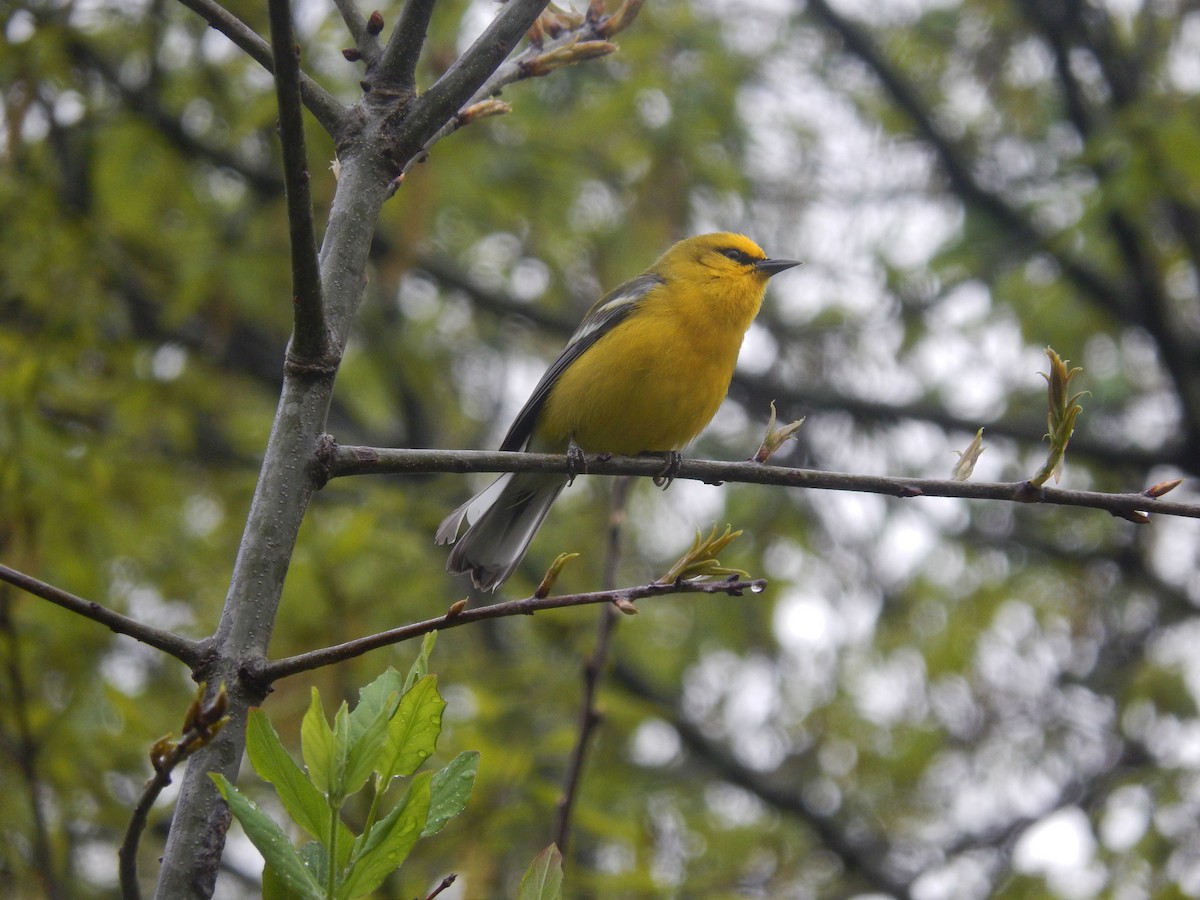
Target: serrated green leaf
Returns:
[[270, 840], [420, 666], [450, 790], [389, 842], [318, 746], [543, 880], [413, 731]]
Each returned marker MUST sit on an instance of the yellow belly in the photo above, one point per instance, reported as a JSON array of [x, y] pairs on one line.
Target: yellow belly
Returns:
[[652, 384]]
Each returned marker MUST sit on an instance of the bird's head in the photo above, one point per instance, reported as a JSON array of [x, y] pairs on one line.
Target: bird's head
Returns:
[[731, 259]]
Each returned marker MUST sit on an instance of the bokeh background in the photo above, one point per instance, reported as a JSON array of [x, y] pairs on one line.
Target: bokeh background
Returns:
[[933, 699]]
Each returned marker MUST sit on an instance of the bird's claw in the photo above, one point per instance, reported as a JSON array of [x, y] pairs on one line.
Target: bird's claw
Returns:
[[674, 459], [576, 462]]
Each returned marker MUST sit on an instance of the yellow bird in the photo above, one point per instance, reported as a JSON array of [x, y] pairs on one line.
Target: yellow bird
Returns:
[[644, 373]]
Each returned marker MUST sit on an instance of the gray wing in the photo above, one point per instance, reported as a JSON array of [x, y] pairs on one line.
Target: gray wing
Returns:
[[603, 317]]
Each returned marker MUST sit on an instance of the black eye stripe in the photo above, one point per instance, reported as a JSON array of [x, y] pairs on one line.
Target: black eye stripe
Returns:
[[738, 256]]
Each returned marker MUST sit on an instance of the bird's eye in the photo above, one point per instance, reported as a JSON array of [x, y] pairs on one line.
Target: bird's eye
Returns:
[[738, 256]]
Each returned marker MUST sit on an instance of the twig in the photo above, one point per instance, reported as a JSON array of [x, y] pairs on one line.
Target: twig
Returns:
[[183, 649], [517, 69], [398, 65], [437, 109], [593, 672], [201, 723], [442, 885], [272, 671], [327, 110], [366, 40], [379, 461], [310, 342]]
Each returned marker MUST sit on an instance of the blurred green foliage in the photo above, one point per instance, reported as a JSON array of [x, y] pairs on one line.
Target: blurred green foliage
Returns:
[[921, 683]]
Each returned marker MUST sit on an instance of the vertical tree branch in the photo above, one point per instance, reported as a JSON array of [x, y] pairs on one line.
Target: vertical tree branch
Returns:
[[381, 144], [310, 338], [593, 671]]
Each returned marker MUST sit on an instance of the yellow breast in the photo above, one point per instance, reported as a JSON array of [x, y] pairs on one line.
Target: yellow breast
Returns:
[[657, 378]]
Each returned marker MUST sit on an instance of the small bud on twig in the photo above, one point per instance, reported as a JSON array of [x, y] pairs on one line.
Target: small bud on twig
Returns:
[[625, 606], [574, 52], [701, 561], [1163, 487], [375, 23], [351, 54], [620, 20], [482, 110], [967, 458], [551, 576], [775, 437], [456, 607], [1060, 417]]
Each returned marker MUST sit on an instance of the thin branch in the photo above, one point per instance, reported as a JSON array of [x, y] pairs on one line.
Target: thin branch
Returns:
[[328, 111], [450, 93], [183, 649], [310, 342], [590, 32], [269, 672], [957, 168], [379, 461], [365, 39], [203, 720], [762, 389], [593, 673], [442, 885], [398, 65]]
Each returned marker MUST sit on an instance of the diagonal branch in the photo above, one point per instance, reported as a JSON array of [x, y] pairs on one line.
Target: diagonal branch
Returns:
[[269, 672], [328, 111], [441, 103], [185, 650], [310, 341], [586, 40], [958, 169], [398, 65]]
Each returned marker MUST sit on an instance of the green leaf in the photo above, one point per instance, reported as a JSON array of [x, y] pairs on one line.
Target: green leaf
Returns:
[[382, 694], [389, 842], [420, 666], [413, 730], [365, 751], [318, 746], [450, 790], [543, 880], [270, 840], [303, 802], [314, 857]]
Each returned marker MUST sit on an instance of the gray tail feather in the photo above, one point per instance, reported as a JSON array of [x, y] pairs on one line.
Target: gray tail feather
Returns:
[[494, 545]]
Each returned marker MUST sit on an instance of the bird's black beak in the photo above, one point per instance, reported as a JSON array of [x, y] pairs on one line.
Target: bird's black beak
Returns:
[[775, 266]]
